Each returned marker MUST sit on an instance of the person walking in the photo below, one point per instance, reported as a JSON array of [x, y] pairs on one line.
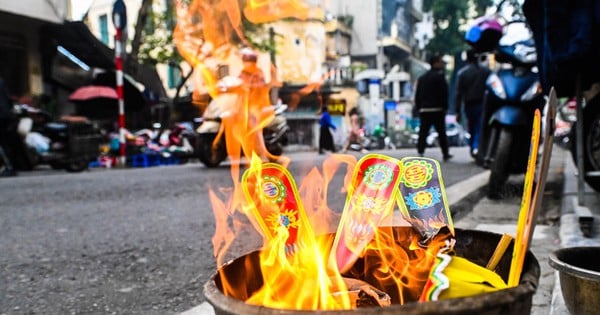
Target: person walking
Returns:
[[431, 103], [325, 136], [470, 90], [7, 135], [356, 134]]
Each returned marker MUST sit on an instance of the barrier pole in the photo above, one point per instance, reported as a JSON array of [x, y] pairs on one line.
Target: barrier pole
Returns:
[[120, 21]]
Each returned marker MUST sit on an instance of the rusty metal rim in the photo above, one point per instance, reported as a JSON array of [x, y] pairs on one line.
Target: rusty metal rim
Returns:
[[479, 303], [475, 304], [515, 297], [557, 261]]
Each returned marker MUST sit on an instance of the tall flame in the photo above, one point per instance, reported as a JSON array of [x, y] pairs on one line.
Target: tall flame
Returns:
[[208, 34], [393, 262]]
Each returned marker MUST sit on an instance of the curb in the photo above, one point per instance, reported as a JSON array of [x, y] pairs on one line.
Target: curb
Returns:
[[570, 232]]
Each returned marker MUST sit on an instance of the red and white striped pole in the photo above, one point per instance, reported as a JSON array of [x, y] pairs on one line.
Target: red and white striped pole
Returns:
[[119, 73], [120, 21]]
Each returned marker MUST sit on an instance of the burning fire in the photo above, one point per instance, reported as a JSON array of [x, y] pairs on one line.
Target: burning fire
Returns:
[[297, 270], [295, 267]]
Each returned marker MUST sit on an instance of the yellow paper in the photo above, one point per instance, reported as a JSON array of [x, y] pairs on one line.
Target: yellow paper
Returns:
[[469, 279], [522, 237], [422, 196], [455, 277]]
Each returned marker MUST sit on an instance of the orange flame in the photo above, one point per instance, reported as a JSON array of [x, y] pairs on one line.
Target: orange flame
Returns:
[[263, 11], [393, 262], [208, 34], [204, 36]]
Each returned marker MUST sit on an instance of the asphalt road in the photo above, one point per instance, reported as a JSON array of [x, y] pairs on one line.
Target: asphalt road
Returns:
[[129, 241]]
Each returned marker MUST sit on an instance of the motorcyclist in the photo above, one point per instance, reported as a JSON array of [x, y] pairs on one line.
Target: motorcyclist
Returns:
[[256, 98]]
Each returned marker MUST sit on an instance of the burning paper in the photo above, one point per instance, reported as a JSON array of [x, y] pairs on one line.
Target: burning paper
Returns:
[[293, 263], [370, 200], [387, 265], [455, 277], [422, 197], [275, 203]]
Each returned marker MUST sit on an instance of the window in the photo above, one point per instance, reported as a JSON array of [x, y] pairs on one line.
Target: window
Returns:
[[103, 26], [173, 76]]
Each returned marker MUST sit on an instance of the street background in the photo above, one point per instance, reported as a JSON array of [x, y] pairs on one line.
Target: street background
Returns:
[[138, 241]]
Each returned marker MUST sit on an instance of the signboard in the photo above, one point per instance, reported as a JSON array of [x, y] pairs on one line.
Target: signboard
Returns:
[[337, 107], [389, 105], [119, 15]]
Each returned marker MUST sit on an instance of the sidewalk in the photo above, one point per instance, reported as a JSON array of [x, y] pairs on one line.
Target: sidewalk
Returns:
[[557, 226], [570, 232]]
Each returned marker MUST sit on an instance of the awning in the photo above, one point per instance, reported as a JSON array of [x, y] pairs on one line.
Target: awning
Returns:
[[369, 74], [76, 38]]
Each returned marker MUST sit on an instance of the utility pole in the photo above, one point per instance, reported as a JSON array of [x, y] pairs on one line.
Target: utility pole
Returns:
[[120, 21]]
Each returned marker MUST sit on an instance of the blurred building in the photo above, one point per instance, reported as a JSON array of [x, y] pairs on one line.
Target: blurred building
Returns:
[[44, 57], [355, 52], [20, 51], [99, 20], [376, 47]]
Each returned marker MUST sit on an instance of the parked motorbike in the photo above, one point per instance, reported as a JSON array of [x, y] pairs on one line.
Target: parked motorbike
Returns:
[[176, 141], [455, 133], [212, 154], [513, 94], [565, 118], [591, 142], [566, 36], [69, 144]]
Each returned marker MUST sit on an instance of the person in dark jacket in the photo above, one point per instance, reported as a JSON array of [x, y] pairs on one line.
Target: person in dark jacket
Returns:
[[325, 137], [470, 90], [431, 102], [7, 135]]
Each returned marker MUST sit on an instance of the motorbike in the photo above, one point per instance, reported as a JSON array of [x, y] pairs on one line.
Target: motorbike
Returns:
[[174, 142], [568, 61], [513, 94], [69, 144], [455, 133], [565, 118], [211, 154], [591, 142]]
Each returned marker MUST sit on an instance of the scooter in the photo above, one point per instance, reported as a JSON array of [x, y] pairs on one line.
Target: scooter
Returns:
[[513, 94], [566, 116], [591, 142], [212, 154], [176, 141], [65, 144]]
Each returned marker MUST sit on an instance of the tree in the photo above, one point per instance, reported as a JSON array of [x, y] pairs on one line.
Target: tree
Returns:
[[142, 18], [153, 39], [481, 6], [152, 42], [156, 30], [449, 16]]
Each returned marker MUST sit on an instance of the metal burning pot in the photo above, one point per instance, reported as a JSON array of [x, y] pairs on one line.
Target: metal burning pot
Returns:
[[579, 278], [476, 246]]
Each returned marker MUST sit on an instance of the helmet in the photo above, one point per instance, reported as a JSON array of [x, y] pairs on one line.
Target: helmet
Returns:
[[248, 54], [484, 34]]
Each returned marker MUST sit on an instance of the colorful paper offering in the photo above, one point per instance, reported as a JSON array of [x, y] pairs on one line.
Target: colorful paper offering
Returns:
[[549, 128], [273, 195], [522, 237], [370, 200], [456, 277], [422, 197]]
